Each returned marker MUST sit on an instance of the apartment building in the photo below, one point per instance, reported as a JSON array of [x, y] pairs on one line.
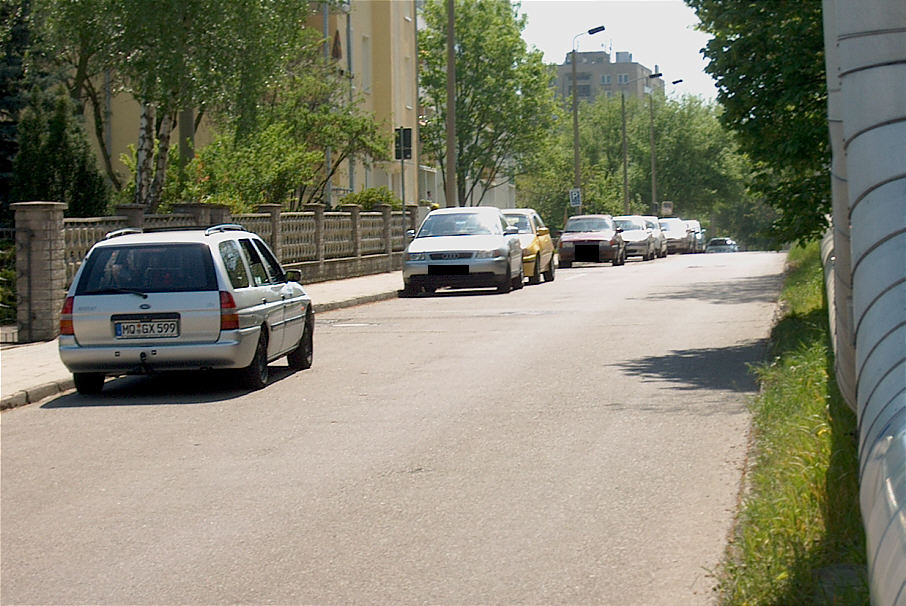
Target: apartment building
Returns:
[[597, 75]]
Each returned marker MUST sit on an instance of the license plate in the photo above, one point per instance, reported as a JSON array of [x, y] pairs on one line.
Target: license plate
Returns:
[[146, 329]]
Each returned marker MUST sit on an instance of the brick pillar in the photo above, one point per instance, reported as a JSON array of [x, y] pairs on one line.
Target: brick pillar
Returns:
[[387, 214], [40, 269], [134, 213], [276, 239], [318, 210], [355, 211]]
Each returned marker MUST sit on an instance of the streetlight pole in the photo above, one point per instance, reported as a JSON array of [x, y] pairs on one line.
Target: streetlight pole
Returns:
[[577, 177], [653, 159], [625, 154]]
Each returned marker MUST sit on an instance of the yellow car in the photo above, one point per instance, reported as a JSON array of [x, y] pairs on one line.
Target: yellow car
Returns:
[[537, 246]]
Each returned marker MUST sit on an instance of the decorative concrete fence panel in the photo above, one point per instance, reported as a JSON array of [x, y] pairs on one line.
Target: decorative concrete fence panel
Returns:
[[371, 233], [299, 230], [337, 228]]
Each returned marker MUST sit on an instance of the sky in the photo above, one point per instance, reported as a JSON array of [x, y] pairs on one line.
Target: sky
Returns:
[[656, 32]]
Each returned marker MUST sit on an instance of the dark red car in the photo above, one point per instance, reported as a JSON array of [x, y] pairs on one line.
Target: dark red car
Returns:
[[593, 238]]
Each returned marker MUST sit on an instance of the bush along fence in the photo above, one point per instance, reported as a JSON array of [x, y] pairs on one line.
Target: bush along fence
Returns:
[[323, 245]]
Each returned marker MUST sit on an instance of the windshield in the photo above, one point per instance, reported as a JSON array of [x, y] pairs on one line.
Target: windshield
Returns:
[[521, 222], [459, 224], [588, 224], [628, 224], [148, 268]]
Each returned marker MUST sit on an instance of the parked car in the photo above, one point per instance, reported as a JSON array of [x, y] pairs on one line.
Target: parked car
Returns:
[[592, 238], [144, 302], [719, 245], [463, 247], [679, 237], [637, 236], [660, 238], [698, 235], [537, 246]]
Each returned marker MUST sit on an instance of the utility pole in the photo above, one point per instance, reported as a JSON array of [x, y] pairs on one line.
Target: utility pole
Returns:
[[450, 193]]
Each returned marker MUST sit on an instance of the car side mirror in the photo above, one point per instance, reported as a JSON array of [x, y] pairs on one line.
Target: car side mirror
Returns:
[[544, 231], [410, 233], [619, 230], [293, 275]]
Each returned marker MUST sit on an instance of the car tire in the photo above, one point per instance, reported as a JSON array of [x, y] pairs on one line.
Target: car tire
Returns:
[[551, 269], [255, 375], [409, 290], [88, 383], [507, 284], [566, 264], [535, 278], [519, 281], [302, 356]]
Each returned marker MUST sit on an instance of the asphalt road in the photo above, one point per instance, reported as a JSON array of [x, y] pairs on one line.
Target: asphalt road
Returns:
[[577, 442]]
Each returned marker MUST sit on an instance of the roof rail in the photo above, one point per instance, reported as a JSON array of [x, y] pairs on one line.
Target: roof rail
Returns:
[[223, 227], [123, 232]]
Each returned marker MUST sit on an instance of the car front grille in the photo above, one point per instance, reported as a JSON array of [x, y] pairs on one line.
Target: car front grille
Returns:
[[451, 256]]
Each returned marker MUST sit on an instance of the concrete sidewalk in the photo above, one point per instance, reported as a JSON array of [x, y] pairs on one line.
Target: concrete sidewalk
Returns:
[[33, 371]]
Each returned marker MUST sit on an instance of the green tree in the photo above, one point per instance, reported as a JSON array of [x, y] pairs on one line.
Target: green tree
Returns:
[[504, 102], [768, 61], [280, 158], [14, 41], [194, 54], [54, 161]]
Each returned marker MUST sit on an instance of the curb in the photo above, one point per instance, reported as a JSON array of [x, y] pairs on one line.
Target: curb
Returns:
[[36, 394]]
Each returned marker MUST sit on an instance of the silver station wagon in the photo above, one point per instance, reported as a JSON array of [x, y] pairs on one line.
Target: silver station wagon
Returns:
[[144, 302]]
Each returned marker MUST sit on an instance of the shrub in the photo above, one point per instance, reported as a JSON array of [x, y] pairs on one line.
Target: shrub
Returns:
[[371, 198]]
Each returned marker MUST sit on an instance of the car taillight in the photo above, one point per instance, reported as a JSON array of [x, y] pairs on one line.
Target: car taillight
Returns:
[[66, 327], [229, 319]]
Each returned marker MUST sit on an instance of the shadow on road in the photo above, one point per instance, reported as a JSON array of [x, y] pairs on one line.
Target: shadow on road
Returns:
[[755, 289], [167, 389], [720, 368]]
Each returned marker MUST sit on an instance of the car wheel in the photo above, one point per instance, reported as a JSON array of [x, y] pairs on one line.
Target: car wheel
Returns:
[[255, 375], [429, 290], [507, 284], [302, 356], [88, 383], [535, 278], [549, 274], [566, 264], [519, 281], [409, 290]]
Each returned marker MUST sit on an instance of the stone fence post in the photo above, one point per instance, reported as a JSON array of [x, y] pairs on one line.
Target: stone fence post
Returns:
[[205, 215], [354, 211], [134, 213], [318, 210], [40, 269], [276, 242]]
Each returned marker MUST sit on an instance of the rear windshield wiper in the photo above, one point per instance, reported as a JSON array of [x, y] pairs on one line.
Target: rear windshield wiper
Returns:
[[128, 291]]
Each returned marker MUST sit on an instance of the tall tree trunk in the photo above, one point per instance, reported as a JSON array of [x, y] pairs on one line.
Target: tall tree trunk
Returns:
[[144, 154], [163, 153]]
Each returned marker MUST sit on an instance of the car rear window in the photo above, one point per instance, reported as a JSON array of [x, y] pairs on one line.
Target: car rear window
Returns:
[[148, 268]]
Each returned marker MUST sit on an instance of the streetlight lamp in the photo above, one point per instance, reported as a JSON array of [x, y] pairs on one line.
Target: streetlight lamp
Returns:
[[625, 155], [577, 181], [653, 163]]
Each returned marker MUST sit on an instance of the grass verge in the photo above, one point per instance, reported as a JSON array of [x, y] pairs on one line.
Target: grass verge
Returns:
[[799, 538]]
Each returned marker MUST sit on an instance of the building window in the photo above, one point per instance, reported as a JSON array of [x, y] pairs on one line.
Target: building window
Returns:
[[583, 90], [605, 79], [583, 76], [622, 78]]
